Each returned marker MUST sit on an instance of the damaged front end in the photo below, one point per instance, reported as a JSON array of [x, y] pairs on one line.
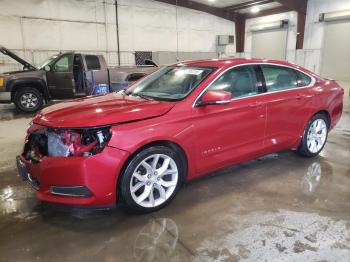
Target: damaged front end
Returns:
[[65, 142]]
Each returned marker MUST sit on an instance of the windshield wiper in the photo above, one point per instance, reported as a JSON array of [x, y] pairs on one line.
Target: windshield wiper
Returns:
[[137, 95], [123, 91], [142, 96]]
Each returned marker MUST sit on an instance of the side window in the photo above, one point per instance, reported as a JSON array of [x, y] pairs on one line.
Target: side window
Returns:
[[92, 62], [240, 81], [62, 65], [134, 77], [303, 80], [279, 78]]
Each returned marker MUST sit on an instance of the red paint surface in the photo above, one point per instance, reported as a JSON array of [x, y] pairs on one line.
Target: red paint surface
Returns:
[[211, 136]]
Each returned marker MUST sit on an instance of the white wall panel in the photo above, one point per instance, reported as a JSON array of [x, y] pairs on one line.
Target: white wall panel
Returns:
[[314, 30], [37, 36], [10, 31], [50, 26], [151, 26], [291, 33], [335, 61], [262, 47]]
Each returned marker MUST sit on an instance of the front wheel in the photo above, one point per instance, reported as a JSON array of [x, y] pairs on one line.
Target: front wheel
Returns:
[[315, 136], [151, 179], [28, 99]]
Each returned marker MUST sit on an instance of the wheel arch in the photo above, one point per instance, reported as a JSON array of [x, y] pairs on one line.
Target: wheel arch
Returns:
[[314, 112], [326, 114], [167, 143], [36, 83]]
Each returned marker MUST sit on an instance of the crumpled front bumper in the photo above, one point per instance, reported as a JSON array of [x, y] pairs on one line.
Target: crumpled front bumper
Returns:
[[98, 173]]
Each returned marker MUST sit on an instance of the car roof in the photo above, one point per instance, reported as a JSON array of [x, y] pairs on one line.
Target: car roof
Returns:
[[228, 62]]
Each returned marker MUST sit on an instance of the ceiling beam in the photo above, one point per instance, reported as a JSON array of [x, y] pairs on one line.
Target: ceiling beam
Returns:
[[273, 11], [295, 5], [248, 4], [300, 6], [220, 12]]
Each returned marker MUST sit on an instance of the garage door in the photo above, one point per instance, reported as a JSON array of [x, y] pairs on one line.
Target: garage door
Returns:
[[336, 51], [270, 44]]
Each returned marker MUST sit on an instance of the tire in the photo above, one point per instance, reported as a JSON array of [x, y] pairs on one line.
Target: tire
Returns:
[[140, 181], [28, 99], [314, 137]]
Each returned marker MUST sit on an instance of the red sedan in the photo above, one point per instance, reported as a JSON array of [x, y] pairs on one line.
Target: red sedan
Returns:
[[140, 145]]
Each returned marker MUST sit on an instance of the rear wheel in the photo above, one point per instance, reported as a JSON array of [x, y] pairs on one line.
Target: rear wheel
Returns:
[[28, 99], [151, 179], [315, 136]]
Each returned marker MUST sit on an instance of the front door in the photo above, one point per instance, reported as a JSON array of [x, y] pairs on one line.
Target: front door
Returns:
[[60, 79], [233, 132]]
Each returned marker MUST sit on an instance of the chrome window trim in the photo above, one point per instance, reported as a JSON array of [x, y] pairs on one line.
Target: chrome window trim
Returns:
[[313, 81]]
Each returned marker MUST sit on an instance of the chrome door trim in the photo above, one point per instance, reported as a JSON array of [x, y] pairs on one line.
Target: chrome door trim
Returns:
[[312, 83]]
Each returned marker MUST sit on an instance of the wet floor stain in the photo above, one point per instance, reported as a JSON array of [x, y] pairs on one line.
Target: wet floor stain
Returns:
[[260, 236]]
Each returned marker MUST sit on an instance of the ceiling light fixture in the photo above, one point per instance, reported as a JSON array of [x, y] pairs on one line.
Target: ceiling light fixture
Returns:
[[255, 9]]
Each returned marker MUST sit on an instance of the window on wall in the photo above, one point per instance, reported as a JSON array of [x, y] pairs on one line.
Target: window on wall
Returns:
[[142, 56], [279, 78], [240, 82]]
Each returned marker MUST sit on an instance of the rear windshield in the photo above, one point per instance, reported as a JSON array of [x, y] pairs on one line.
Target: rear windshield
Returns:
[[170, 83]]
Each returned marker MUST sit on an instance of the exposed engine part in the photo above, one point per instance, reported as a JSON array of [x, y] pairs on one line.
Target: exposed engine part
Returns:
[[56, 147], [66, 142], [100, 136]]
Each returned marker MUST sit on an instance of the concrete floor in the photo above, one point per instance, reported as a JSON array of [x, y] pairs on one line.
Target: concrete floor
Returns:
[[278, 208]]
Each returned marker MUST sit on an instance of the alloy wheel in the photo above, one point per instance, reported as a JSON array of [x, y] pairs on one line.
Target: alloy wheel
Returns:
[[29, 100], [154, 180], [316, 135]]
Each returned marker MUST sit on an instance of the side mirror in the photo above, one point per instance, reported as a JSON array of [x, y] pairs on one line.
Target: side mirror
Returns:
[[47, 68], [215, 97]]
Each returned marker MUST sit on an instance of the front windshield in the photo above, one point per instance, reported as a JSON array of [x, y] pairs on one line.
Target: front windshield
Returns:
[[48, 61], [170, 83]]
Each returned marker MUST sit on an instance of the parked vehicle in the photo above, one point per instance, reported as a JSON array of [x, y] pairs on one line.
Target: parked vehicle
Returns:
[[62, 76], [183, 121]]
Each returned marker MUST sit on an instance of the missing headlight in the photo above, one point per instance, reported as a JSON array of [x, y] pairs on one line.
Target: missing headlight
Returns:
[[77, 142], [57, 142]]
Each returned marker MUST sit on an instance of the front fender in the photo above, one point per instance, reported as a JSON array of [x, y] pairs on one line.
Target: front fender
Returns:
[[13, 84], [133, 136]]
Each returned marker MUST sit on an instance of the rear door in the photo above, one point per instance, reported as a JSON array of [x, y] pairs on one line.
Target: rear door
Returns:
[[286, 101], [233, 132], [60, 78]]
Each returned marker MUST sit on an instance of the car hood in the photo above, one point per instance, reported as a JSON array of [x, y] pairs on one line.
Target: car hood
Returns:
[[7, 52], [101, 110]]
